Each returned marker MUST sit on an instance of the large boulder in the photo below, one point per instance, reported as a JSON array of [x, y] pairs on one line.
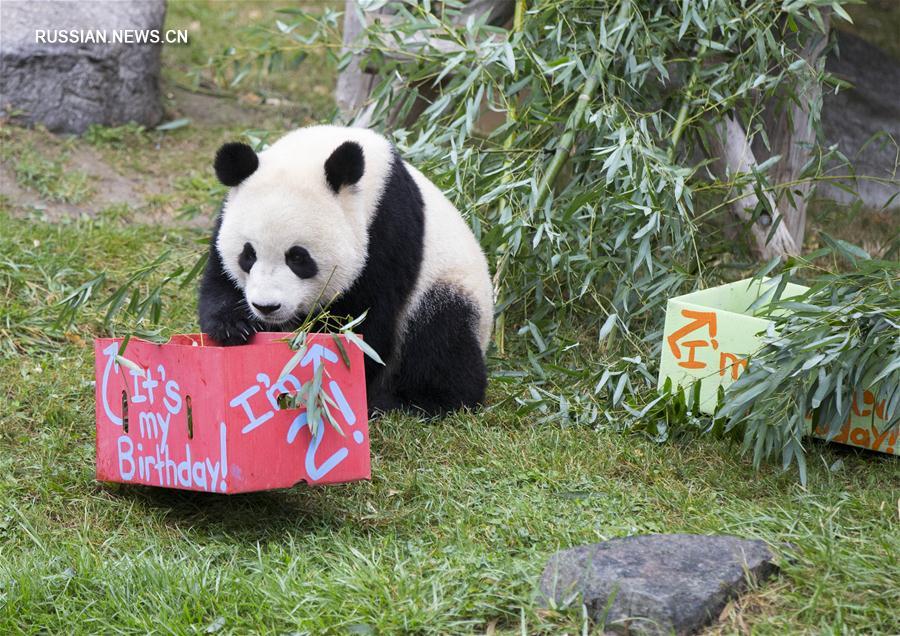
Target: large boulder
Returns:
[[69, 86], [864, 120], [654, 584]]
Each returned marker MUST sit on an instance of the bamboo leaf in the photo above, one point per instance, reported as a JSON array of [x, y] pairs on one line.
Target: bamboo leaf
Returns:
[[366, 349]]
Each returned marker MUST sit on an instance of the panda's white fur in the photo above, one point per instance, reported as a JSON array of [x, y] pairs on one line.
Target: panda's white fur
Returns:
[[275, 208], [287, 201], [452, 256]]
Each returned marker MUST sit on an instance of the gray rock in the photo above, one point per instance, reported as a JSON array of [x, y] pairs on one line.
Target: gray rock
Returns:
[[864, 120], [68, 86], [654, 584]]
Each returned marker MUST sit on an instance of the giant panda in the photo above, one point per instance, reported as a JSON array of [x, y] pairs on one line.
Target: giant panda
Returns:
[[328, 213]]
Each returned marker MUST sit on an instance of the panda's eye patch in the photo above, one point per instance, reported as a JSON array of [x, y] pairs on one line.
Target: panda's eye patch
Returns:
[[300, 262], [247, 257]]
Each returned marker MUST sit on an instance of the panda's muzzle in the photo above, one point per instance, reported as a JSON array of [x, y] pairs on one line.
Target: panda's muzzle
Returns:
[[267, 310]]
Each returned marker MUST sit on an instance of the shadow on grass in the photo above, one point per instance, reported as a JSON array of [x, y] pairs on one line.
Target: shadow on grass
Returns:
[[250, 516]]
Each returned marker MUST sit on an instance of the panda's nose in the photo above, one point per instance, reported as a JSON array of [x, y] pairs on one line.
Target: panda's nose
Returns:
[[266, 309]]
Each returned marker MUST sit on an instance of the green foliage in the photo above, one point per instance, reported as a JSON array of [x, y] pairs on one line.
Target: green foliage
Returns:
[[124, 136], [139, 298], [63, 282], [824, 349], [312, 397], [591, 196], [585, 196], [621, 93], [449, 536]]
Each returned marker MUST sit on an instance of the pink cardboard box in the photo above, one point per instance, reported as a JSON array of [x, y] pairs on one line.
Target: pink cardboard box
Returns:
[[206, 417]]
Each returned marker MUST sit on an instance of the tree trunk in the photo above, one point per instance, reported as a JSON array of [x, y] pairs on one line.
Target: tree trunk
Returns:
[[734, 157], [792, 136]]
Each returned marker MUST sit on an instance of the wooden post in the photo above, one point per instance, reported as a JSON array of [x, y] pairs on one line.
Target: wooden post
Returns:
[[353, 84], [735, 156], [792, 136]]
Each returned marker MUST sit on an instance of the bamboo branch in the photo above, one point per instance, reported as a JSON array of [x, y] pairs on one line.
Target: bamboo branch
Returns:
[[688, 96], [587, 94]]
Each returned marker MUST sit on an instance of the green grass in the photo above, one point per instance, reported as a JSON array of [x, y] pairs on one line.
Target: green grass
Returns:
[[454, 528], [125, 136], [449, 536], [45, 172], [300, 81]]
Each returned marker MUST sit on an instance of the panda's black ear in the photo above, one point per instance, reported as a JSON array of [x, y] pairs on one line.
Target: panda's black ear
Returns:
[[234, 163], [345, 165]]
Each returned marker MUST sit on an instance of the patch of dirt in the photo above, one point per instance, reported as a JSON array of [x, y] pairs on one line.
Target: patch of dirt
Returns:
[[211, 111], [110, 188], [145, 179], [243, 111]]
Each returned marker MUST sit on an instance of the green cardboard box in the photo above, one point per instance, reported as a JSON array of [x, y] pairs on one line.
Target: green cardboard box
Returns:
[[708, 336]]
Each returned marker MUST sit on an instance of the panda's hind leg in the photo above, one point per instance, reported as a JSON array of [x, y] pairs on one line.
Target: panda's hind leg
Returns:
[[442, 366]]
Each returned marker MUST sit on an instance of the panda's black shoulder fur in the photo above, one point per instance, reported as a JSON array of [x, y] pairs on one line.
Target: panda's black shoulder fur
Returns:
[[393, 261]]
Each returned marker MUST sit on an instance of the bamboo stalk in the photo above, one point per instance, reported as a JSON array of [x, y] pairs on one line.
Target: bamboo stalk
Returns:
[[500, 320], [519, 16], [584, 98], [688, 96], [734, 157], [565, 143]]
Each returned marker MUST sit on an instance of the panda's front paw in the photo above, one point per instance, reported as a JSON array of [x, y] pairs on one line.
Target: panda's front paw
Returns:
[[232, 329]]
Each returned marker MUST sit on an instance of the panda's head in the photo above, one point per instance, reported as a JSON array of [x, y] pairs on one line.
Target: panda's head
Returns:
[[293, 230]]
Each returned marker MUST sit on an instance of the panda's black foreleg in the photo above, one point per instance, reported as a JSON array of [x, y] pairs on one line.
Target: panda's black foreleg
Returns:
[[223, 311], [379, 330], [381, 401], [442, 367]]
